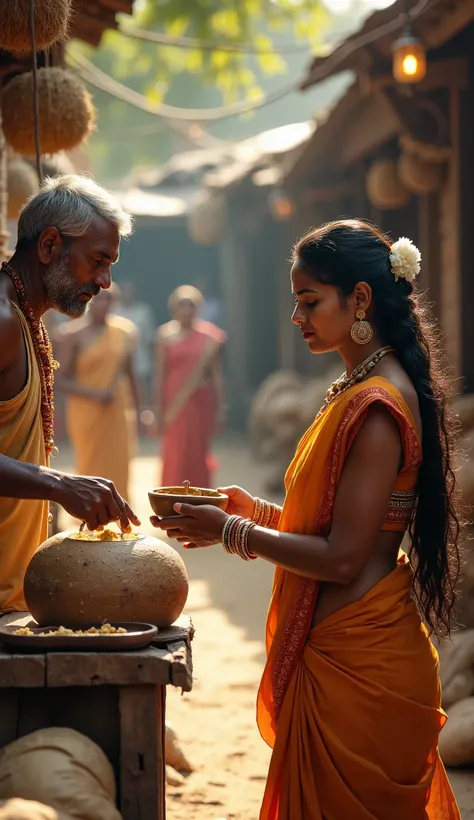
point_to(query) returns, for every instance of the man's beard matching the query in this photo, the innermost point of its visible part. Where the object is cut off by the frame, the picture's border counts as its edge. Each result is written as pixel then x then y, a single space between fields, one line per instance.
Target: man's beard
pixel 62 291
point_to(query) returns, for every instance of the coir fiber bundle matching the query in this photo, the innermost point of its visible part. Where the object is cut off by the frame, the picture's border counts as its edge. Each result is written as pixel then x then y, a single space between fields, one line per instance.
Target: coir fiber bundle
pixel 22 183
pixel 51 24
pixel 66 113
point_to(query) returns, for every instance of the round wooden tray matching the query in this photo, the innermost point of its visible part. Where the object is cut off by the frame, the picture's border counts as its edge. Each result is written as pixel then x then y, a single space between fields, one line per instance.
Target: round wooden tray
pixel 138 636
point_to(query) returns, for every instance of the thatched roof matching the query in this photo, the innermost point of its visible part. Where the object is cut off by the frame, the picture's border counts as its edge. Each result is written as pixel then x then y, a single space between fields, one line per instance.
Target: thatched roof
pixel 438 22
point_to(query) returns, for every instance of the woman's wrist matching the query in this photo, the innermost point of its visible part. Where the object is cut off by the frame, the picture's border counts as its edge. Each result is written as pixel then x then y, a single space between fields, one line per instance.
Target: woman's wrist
pixel 235 535
pixel 265 514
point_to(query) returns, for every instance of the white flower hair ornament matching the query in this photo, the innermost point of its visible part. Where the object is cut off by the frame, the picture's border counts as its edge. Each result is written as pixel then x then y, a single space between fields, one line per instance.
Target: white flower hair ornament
pixel 405 259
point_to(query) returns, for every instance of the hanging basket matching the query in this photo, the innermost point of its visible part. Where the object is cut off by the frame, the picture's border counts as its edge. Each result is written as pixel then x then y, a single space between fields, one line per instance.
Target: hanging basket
pixel 419 175
pixel 384 188
pixel 66 113
pixel 207 221
pixel 22 183
pixel 51 24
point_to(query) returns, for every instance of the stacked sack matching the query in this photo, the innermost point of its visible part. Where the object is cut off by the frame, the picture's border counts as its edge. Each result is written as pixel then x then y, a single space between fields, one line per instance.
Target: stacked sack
pixel 62 769
pixel 456 743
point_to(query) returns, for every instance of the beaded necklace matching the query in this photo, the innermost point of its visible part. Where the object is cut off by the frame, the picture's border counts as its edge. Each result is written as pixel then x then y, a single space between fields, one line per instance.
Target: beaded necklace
pixel 44 355
pixel 344 382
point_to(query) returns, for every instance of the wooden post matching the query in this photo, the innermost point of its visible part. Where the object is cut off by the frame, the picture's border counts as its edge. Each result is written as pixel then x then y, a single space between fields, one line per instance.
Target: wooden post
pixel 142 761
pixel 450 228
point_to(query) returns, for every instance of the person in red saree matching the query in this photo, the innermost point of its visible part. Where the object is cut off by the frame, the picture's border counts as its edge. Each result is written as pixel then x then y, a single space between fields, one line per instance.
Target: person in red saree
pixel 350 697
pixel 189 387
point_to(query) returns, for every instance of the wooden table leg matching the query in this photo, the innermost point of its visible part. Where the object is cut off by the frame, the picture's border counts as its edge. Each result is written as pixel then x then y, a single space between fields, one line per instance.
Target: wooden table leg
pixel 142 752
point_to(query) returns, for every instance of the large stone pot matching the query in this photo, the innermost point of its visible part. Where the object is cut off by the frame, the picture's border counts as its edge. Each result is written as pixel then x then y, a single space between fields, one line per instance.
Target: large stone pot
pixel 73 583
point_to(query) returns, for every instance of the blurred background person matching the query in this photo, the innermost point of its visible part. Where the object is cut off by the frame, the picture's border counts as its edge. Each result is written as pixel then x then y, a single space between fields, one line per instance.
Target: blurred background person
pixel 189 389
pixel 102 393
pixel 141 314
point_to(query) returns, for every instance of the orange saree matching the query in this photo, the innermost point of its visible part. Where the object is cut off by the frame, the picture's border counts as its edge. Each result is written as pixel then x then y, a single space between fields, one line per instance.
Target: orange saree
pixel 350 707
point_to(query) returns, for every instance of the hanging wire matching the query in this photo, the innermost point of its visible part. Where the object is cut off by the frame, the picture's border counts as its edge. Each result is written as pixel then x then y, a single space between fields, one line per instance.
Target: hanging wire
pixel 39 164
pixel 93 75
pixel 203 45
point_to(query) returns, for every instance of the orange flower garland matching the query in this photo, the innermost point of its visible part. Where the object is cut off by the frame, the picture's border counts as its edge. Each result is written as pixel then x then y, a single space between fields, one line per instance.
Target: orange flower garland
pixel 44 354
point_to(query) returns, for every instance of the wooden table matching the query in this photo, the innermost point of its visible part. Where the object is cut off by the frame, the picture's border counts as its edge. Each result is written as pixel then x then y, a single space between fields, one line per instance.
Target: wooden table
pixel 115 698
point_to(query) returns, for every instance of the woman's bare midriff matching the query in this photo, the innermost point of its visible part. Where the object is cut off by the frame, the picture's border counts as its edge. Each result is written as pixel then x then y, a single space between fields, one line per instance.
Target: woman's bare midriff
pixel 332 597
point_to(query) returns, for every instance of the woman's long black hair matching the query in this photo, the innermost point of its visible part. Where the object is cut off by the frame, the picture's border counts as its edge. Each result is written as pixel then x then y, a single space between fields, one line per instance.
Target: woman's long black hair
pixel 346 252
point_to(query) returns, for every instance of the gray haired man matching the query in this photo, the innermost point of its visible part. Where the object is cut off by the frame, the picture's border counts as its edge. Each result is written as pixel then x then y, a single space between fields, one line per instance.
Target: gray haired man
pixel 68 238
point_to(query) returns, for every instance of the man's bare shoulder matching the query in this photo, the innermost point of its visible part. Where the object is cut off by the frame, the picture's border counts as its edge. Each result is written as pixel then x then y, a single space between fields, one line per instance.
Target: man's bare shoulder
pixel 11 335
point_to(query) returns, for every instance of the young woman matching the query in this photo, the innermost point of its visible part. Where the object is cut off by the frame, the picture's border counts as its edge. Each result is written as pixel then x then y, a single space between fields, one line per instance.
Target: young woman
pixel 189 389
pixel 350 695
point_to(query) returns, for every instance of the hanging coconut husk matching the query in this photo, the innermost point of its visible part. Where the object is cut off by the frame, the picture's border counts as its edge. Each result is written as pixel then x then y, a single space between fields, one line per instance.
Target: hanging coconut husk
pixel 66 113
pixel 418 175
pixel 208 219
pixel 22 182
pixel 384 187
pixel 51 24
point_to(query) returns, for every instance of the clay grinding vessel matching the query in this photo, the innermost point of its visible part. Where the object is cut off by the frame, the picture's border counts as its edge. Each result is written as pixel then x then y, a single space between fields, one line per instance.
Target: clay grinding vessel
pixel 73 582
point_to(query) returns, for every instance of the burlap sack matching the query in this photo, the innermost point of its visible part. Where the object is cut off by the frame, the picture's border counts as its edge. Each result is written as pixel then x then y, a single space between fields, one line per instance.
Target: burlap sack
pixel 64 770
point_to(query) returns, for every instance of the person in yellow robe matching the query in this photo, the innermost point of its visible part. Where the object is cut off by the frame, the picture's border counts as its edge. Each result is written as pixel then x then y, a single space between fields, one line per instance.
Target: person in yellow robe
pixel 350 698
pixel 97 375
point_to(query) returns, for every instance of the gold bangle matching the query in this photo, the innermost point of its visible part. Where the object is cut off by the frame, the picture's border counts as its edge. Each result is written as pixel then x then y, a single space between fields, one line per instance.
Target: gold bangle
pixel 266 514
pixel 235 537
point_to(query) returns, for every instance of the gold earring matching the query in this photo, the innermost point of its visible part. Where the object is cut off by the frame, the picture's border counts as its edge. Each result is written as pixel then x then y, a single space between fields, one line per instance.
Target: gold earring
pixel 361 330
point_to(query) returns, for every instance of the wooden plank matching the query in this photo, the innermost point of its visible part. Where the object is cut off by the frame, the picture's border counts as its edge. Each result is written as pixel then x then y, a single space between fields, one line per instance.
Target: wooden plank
pixel 439 74
pixel 124 6
pixel 24 671
pixel 142 765
pixel 449 25
pixel 9 705
pixel 450 230
pixel 181 630
pixel 373 123
pixel 181 668
pixel 147 666
pixel 328 193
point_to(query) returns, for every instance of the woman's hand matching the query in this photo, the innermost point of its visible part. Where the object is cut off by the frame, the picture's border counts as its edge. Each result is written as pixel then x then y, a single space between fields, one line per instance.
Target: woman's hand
pixel 240 501
pixel 194 526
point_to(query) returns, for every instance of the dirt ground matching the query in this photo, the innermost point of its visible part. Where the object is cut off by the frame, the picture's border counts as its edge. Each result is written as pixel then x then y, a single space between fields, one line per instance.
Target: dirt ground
pixel 216 721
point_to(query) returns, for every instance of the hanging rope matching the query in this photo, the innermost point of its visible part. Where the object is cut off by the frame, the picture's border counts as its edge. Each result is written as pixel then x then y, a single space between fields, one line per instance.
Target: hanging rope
pixel 39 165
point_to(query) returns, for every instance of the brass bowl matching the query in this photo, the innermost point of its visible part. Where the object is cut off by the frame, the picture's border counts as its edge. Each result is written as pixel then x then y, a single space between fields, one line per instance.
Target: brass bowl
pixel 162 499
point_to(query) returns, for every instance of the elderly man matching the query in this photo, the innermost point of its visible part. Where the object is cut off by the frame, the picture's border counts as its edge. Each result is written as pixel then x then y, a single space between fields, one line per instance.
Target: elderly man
pixel 68 238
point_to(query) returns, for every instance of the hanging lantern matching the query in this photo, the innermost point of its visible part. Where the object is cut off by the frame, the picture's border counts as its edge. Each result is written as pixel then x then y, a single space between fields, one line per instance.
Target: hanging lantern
pixel 66 113
pixel 409 59
pixel 51 24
